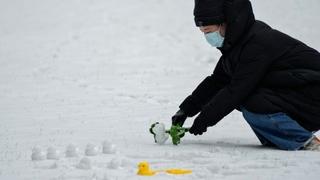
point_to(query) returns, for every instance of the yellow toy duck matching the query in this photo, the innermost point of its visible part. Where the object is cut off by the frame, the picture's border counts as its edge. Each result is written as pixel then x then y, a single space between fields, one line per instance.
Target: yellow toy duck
pixel 144 170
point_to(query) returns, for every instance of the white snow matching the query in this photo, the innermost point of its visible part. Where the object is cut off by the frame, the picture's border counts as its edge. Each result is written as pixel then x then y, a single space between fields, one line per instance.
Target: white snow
pixel 79 72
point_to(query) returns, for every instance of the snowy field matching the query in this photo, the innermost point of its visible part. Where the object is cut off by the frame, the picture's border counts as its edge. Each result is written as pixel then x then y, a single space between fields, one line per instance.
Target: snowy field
pixel 87 71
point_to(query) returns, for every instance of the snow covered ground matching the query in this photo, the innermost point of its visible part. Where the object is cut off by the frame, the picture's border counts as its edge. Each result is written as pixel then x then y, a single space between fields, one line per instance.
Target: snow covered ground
pixel 85 71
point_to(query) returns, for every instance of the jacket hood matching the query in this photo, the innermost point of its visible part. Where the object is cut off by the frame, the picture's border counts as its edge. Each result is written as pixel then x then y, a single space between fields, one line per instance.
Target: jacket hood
pixel 239 19
pixel 208 12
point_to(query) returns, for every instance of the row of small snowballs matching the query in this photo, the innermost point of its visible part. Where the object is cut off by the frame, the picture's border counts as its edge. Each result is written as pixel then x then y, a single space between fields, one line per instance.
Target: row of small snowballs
pixel 72 151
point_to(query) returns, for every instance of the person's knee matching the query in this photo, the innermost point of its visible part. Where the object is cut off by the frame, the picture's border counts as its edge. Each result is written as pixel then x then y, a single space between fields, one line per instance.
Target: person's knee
pixel 248 116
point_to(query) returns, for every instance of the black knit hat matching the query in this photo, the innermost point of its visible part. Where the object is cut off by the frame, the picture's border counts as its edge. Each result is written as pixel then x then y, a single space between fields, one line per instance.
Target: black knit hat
pixel 208 12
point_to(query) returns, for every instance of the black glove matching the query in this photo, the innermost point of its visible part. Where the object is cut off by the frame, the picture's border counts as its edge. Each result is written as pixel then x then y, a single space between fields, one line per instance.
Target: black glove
pixel 199 125
pixel 179 118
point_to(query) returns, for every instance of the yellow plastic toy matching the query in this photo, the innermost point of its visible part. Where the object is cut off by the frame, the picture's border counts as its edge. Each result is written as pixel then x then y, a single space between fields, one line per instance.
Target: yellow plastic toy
pixel 144 170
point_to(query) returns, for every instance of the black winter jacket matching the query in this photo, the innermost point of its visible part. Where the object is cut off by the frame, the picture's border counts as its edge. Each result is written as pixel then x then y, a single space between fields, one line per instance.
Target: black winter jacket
pixel 261 69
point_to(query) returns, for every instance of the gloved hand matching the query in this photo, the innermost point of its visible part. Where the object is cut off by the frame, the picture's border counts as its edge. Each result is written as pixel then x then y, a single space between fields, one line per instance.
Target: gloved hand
pixel 199 126
pixel 179 118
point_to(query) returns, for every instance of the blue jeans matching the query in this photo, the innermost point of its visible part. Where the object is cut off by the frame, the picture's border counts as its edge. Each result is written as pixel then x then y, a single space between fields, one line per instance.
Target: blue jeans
pixel 277 130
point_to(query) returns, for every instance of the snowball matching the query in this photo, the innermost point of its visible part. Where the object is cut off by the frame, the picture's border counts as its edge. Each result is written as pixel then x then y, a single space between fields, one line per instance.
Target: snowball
pixel 108 148
pixel 37 154
pixel 115 163
pixel 72 151
pixel 91 150
pixel 53 153
pixel 160 133
pixel 84 163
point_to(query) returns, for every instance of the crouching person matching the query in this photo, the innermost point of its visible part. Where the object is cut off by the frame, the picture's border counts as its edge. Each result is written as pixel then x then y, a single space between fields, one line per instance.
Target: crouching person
pixel 272 78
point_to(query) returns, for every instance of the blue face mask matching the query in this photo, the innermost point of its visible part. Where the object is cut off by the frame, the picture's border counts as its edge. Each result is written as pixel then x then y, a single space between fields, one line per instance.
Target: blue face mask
pixel 214 39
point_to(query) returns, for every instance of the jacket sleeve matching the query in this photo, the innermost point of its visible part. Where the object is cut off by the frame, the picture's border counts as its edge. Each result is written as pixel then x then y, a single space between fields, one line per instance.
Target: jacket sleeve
pixel 249 72
pixel 208 88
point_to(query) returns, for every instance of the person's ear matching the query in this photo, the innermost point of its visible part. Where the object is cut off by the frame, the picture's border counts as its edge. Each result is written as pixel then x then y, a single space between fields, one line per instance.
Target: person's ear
pixel 222 30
